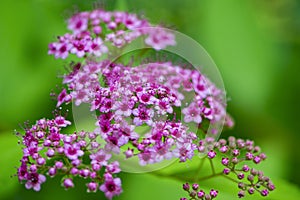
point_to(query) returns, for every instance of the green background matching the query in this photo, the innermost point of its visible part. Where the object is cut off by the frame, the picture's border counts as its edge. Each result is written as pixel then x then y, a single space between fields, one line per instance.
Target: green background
pixel 255 44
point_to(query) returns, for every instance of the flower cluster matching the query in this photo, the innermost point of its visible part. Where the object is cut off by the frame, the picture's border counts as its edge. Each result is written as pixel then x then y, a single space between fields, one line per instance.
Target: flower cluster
pixel 152 111
pixel 149 96
pixel 197 193
pixel 92 32
pixel 49 151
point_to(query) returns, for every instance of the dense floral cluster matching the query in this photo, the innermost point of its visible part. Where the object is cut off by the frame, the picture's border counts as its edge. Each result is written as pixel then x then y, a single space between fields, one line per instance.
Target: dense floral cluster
pixel 92 32
pixel 147 96
pixel 152 111
pixel 196 193
pixel 47 150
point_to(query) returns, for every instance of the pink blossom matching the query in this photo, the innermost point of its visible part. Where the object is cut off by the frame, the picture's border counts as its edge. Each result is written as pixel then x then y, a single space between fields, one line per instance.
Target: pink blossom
pixel 142 115
pixel 111 187
pixel 101 157
pixel 78 23
pixel 192 113
pixel 73 151
pixel 61 122
pixel 160 39
pixel 34 181
pixel 68 183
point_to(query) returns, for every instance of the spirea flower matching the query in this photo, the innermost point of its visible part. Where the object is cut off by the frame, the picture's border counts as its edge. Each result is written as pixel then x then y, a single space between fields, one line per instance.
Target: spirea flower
pixel 92 32
pixel 65 155
pixel 174 105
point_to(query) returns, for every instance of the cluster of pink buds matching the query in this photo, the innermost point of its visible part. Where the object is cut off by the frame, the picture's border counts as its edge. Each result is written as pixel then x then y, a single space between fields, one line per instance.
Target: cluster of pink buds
pixel 196 193
pixel 236 156
pixel 151 111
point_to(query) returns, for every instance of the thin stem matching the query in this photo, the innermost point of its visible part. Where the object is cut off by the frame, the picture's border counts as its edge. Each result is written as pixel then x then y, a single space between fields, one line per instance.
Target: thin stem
pixel 212 166
pixel 210 176
pixel 229 178
pixel 199 169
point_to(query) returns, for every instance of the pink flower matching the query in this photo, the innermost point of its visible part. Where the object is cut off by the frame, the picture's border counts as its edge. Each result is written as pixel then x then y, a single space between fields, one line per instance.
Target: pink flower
pixel 142 115
pixel 80 47
pixel 101 157
pixel 113 168
pixel 68 183
pixel 146 98
pixel 73 151
pixel 61 122
pixel 63 97
pixel 34 181
pixel 192 113
pixel 78 23
pixel 92 187
pixel 160 39
pixel 97 47
pixel 111 187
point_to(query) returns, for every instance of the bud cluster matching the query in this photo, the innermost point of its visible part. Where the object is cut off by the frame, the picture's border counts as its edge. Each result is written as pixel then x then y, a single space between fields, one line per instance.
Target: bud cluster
pixel 237 155
pixel 196 193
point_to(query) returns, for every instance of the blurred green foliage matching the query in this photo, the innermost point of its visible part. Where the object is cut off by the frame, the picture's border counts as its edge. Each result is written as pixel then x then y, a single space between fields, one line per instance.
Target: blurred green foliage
pixel 255 44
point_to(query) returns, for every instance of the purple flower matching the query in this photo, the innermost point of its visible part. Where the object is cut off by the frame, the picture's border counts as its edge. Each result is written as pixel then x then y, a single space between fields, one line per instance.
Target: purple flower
pixel 61 122
pixel 113 168
pixel 200 194
pixel 111 186
pixel 192 113
pixel 34 181
pixel 68 183
pixel 97 47
pixel 92 187
pixel 211 154
pixel 264 192
pixel 186 186
pixel 225 161
pixel 159 39
pixel 142 115
pixel 101 157
pixel 256 159
pixel 78 23
pixel 241 194
pixel 63 97
pixel 73 151
pixel 213 193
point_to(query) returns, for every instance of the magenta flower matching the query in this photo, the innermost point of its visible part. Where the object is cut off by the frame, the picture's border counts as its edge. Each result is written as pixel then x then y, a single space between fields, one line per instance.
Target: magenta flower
pixel 150 111
pixel 61 122
pixel 142 115
pixel 73 151
pixel 192 113
pixel 68 183
pixel 34 181
pixel 111 187
pixel 160 39
pixel 100 158
pixel 78 23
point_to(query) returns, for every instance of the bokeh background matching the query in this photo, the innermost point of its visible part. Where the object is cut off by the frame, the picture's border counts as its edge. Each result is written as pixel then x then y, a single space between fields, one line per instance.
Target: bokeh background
pixel 255 44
